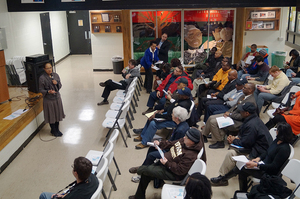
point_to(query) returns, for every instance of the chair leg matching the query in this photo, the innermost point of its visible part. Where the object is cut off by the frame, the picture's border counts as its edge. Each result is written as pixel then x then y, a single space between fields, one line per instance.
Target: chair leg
pixel 136 94
pixel 111 180
pixel 103 194
pixel 135 101
pixel 267 107
pixel 123 137
pixel 107 136
pixel 117 165
pixel 129 121
pixel 133 107
pixel 138 90
pixel 127 131
pixel 131 114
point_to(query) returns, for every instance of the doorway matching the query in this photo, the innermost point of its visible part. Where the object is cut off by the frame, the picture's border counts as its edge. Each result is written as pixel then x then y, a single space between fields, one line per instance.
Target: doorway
pixel 46 34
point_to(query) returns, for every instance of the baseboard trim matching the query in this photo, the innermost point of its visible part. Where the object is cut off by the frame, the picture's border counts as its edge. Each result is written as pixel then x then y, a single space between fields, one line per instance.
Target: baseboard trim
pixel 101 70
pixel 57 62
pixel 18 151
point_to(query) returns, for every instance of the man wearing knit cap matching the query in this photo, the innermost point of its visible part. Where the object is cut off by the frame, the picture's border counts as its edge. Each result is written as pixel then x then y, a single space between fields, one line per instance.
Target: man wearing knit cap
pixel 176 163
pixel 264 54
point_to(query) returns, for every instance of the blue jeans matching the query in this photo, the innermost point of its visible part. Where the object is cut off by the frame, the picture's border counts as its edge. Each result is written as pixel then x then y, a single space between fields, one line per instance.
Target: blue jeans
pixel 152 99
pixel 151 127
pixel 289 72
pixel 46 195
pixel 296 79
pixel 262 97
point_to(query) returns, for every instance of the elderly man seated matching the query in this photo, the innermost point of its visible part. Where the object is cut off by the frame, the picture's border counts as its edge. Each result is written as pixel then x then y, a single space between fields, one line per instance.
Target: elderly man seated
pixel 169 84
pixel 176 163
pixel 163 118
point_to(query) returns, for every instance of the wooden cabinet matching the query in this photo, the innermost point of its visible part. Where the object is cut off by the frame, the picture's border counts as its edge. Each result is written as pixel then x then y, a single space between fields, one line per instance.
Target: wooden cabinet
pixel 262 19
pixel 106 21
pixel 4 95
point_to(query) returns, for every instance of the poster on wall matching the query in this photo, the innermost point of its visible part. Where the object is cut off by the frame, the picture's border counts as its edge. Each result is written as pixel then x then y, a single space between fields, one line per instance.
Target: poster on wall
pixel 32 1
pixel 72 0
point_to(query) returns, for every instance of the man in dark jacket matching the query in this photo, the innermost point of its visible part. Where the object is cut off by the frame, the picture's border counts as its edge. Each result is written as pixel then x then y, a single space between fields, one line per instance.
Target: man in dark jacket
pixel 253 137
pixel 163 118
pixel 175 164
pixel 128 74
pixel 163 46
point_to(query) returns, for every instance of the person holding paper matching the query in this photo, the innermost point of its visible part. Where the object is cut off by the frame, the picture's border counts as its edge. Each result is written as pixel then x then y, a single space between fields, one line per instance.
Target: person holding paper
pixel 269 92
pixel 253 137
pixel 212 124
pixel 128 74
pixel 49 86
pixel 175 164
pixel 271 161
pixel 163 118
pixel 169 84
pixel 262 71
pixel 148 60
pixel 252 52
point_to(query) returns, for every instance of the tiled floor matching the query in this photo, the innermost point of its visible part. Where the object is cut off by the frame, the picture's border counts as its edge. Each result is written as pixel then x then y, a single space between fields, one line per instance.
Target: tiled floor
pixel 46 166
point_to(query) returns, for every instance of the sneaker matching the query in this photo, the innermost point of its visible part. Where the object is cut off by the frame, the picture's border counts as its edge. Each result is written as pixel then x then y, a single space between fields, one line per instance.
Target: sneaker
pixel 102 84
pixel 136 179
pixel 137 131
pixel 137 139
pixel 141 146
pixel 102 103
pixel 133 170
pixel 217 145
pixel 149 110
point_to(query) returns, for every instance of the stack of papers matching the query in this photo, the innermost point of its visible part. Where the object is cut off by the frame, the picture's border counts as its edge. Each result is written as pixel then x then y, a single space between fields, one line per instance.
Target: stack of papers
pixel 157 147
pixel 241 161
pixel 224 122
pixel 148 115
pixel 15 114
pixel 209 97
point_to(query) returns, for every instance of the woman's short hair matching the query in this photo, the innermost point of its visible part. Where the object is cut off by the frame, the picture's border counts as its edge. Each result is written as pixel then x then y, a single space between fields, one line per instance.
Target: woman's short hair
pixel 132 62
pixel 166 67
pixel 152 42
pixel 181 113
pixel 274 69
pixel 198 186
pixel 284 132
pixel 83 167
pixel 175 62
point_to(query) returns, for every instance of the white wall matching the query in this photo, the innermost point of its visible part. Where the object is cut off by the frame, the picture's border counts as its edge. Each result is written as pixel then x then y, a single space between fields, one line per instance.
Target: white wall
pixel 269 38
pixel 104 47
pixel 24 34
pixel 59 32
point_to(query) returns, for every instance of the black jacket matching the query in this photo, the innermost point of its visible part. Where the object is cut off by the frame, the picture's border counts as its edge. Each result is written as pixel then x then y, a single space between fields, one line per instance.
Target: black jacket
pixel 163 51
pixel 214 66
pixel 296 64
pixel 227 88
pixel 167 114
pixel 254 136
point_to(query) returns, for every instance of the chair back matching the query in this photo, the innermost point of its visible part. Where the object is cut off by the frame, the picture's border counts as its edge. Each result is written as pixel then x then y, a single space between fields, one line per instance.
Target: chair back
pixel 191 108
pixel 290 171
pixel 200 153
pixel 124 109
pixel 273 133
pixel 292 152
pixel 198 166
pixel 108 149
pixel 102 169
pixel 114 136
pixel 97 193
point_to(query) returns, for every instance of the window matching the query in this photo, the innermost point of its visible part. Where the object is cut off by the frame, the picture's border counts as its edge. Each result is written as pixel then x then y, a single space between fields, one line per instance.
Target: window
pixel 293 29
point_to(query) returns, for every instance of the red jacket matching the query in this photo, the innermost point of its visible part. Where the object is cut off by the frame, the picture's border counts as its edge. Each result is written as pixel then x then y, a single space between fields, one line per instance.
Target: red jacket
pixel 173 86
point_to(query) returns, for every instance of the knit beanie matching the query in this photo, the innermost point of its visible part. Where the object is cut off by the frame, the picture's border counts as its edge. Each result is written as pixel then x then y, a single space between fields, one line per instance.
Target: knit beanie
pixel 263 51
pixel 193 134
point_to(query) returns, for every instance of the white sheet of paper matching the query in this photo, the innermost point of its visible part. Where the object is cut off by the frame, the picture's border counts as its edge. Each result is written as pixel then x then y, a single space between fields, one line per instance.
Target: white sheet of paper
pixel 155 68
pixel 176 193
pixel 117 82
pixel 249 59
pixel 224 122
pixel 15 114
pixel 241 160
pixel 209 97
pixel 159 62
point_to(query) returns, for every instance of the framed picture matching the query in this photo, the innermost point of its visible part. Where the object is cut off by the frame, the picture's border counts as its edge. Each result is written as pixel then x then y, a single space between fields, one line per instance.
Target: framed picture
pixel 105 17
pixel 97 29
pixel 271 14
pixel 107 29
pixel 117 18
pixel 118 29
pixel 269 25
pixel 263 15
pixel 254 15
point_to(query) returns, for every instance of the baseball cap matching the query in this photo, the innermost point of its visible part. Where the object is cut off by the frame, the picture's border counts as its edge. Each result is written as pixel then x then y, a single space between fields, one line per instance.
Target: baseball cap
pixel 185 91
pixel 248 107
pixel 182 80
pixel 263 51
pixel 241 81
pixel 193 134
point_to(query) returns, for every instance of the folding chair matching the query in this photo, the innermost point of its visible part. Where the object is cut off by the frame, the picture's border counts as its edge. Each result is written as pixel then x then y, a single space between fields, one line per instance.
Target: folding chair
pixel 97 194
pixel 101 173
pixel 290 171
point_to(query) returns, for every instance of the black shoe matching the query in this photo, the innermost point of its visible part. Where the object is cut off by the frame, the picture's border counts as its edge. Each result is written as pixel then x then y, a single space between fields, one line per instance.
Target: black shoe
pixel 102 84
pixel 217 145
pixel 137 131
pixel 131 197
pixel 205 139
pixel 149 110
pixel 219 181
pixel 102 103
pixel 148 91
pixel 57 134
pixel 209 136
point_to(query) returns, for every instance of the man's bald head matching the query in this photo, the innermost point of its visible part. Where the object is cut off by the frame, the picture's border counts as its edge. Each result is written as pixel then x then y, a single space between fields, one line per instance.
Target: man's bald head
pixel 232 75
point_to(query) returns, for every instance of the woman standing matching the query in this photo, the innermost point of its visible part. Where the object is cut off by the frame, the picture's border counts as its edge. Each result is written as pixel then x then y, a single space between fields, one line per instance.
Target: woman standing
pixel 49 86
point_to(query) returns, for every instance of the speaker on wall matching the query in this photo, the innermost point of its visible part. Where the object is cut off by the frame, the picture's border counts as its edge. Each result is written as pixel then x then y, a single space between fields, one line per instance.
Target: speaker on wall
pixel 33 73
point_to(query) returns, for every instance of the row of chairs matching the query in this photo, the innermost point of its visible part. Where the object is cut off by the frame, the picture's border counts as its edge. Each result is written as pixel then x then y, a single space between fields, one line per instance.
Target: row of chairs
pixel 121 110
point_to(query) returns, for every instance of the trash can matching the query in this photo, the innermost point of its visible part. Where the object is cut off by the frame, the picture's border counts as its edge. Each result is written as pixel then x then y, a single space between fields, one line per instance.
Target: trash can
pixel 278 58
pixel 117 64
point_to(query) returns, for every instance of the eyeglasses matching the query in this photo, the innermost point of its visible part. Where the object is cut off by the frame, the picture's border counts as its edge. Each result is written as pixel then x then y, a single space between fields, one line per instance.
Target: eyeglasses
pixel 48 68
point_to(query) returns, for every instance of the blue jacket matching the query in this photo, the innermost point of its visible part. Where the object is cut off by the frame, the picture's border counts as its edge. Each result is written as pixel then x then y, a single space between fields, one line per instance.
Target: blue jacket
pixel 146 61
pixel 180 131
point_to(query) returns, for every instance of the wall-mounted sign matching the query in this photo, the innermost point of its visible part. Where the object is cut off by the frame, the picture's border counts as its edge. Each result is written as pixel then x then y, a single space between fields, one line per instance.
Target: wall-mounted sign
pixel 32 1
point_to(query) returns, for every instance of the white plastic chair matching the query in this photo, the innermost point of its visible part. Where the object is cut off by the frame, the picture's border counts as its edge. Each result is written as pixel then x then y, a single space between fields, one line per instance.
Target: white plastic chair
pixel 101 173
pixel 198 166
pixel 273 133
pixel 95 156
pixel 97 194
pixel 117 123
pixel 290 171
pixel 200 153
